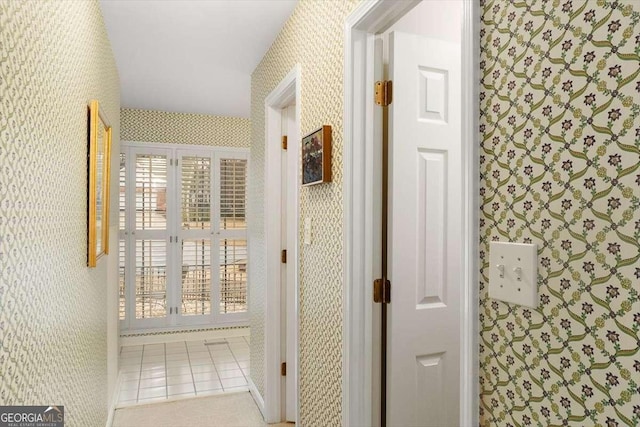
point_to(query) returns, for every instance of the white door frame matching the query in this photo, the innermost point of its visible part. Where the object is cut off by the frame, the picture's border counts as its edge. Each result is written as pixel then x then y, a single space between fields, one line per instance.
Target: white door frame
pixel 287 91
pixel 362 243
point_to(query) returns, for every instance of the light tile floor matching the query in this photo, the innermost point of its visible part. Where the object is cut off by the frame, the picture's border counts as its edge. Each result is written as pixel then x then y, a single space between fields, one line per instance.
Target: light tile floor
pixel 156 372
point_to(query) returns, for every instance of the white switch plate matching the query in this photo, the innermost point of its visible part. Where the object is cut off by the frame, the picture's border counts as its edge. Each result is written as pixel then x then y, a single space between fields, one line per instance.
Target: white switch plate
pixel 513 273
pixel 307 231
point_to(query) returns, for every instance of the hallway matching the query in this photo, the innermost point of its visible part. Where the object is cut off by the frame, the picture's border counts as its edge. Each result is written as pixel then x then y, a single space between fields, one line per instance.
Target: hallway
pixel 153 215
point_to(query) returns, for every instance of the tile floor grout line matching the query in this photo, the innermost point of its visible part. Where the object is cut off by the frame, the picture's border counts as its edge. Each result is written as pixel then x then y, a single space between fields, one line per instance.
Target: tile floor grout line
pixel 215 368
pixel 238 363
pixel 193 380
pixel 166 374
pixel 140 375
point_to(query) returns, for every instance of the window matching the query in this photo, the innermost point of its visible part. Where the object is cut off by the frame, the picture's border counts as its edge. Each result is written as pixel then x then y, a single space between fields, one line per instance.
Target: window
pixel 183 238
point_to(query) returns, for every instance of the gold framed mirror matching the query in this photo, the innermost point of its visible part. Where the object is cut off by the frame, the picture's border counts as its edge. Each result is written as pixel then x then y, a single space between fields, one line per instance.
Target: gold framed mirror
pixel 99 168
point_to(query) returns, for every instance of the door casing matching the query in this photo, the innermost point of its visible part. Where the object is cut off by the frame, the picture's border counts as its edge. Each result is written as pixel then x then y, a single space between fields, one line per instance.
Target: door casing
pixel 362 239
pixel 286 93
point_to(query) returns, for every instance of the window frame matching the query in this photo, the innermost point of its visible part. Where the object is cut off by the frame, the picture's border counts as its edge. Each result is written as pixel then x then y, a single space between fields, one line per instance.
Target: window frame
pixel 174 254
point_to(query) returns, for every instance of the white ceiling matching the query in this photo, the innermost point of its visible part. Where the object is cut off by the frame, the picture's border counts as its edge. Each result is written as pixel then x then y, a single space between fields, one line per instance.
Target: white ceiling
pixel 191 56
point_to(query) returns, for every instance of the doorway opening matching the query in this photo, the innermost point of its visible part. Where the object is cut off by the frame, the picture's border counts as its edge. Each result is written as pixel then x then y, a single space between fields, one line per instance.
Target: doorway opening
pixel 434 170
pixel 282 166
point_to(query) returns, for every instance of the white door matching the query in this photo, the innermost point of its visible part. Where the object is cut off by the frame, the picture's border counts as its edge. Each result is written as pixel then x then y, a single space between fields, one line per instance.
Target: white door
pixel 289 183
pixel 193 303
pixel 230 238
pixel 149 234
pixel 425 240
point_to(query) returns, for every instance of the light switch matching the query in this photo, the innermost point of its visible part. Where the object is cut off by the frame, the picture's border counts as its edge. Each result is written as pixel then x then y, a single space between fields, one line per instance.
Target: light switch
pixel 513 273
pixel 307 231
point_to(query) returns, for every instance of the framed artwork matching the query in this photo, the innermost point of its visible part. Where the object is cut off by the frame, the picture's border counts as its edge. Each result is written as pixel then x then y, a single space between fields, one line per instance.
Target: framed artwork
pixel 99 169
pixel 316 156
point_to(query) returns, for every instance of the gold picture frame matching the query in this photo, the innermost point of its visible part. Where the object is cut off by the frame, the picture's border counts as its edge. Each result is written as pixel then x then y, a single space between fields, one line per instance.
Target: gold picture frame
pixel 99 168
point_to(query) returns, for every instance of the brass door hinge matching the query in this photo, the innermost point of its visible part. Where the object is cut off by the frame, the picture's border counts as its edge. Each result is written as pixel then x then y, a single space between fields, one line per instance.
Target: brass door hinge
pixel 382 291
pixel 283 256
pixel 284 142
pixel 283 369
pixel 383 91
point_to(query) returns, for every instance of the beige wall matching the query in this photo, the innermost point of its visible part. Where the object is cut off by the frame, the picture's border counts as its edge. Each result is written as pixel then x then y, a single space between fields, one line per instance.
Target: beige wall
pixel 312 37
pixel 184 128
pixel 560 167
pixel 55 57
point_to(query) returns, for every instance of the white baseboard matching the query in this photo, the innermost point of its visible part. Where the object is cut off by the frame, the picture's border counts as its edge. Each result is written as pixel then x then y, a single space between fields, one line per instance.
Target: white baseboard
pixel 183 336
pixel 114 402
pixel 256 396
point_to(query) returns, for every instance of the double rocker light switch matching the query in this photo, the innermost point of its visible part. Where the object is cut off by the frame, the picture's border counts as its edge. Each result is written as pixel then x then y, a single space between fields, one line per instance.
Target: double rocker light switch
pixel 513 273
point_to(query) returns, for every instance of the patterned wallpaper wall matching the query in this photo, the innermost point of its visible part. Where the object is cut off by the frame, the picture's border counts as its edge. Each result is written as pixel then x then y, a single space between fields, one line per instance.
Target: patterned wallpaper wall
pixel 312 37
pixel 560 165
pixel 184 128
pixel 54 58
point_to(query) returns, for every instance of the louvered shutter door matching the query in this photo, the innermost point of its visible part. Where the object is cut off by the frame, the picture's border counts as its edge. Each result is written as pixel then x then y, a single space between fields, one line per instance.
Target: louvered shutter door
pixel 195 234
pixel 232 248
pixel 151 235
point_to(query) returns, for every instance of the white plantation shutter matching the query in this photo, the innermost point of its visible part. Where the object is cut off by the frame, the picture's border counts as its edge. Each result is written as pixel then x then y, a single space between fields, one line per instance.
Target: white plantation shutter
pixel 233 276
pixel 196 277
pixel 233 193
pixel 233 235
pixel 196 192
pixel 121 279
pixel 183 239
pixel 151 192
pixel 122 225
pixel 122 192
pixel 151 278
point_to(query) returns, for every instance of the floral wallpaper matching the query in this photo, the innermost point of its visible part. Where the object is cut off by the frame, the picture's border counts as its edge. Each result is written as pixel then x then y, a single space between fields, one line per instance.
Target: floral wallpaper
pixel 560 167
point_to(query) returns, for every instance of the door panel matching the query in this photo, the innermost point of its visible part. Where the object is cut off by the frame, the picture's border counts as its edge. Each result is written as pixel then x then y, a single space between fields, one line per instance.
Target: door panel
pixel 430 372
pixel 150 279
pixel 291 178
pixel 230 245
pixel 233 276
pixel 149 219
pixel 288 315
pixel 431 225
pixel 424 226
pixel 151 182
pixel 195 297
pixel 123 235
pixel 195 237
pixel 195 192
pixel 233 181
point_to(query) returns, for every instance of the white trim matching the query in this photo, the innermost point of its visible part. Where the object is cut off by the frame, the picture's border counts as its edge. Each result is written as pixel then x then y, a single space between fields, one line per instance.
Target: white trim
pixel 111 411
pixel 184 329
pixel 360 179
pixel 183 336
pixel 469 358
pixel 113 325
pixel 287 91
pixel 256 396
pixel 358 394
